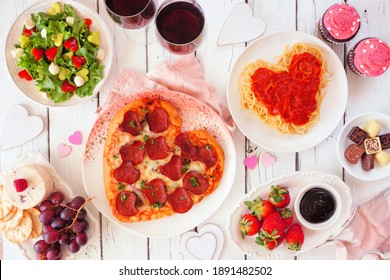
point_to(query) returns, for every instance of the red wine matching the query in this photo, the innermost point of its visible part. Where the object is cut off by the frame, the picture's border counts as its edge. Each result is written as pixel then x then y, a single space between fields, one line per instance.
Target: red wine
pixel 132 14
pixel 180 23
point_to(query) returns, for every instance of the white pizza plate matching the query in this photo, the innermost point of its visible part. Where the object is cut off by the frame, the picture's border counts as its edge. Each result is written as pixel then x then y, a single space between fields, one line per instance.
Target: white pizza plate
pixel 294 182
pixel 27 248
pixel 28 88
pixel 332 109
pixel 360 120
pixel 195 115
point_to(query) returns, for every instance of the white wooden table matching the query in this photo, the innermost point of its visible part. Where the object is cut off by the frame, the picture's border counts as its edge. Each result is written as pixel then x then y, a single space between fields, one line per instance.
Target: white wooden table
pixel 365 94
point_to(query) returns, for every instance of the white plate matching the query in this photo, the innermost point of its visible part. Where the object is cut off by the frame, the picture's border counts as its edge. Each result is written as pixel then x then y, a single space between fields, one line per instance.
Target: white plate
pixel 27 247
pixel 313 238
pixel 332 108
pixel 379 172
pixel 195 114
pixel 28 88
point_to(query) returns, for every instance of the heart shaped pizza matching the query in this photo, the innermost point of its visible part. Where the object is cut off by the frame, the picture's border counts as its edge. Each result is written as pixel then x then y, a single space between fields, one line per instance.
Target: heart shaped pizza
pixel 287 95
pixel 153 168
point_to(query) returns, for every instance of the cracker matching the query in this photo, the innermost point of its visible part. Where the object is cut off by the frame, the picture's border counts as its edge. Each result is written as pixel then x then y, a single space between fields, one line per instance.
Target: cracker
pixel 14 221
pixel 36 224
pixel 22 232
pixel 5 204
pixel 10 215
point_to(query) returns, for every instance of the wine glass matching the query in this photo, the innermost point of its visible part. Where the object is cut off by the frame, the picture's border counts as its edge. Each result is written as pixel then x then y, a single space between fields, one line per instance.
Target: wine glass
pixel 181 26
pixel 132 14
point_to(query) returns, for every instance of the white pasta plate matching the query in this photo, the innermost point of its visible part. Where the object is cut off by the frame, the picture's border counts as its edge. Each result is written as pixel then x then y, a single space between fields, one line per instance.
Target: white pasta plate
pixel 195 115
pixel 294 182
pixel 332 108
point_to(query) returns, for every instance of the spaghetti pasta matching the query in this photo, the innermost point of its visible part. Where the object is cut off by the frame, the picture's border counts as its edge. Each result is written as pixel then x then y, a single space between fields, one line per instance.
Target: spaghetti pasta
pixel 287 95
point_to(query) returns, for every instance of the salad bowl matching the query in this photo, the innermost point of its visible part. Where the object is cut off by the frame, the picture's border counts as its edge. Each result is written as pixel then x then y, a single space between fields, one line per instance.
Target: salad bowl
pixel 33 75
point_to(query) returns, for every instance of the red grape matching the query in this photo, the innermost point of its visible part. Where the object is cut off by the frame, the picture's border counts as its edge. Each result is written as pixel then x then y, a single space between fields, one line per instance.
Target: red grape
pixel 46 216
pixel 56 197
pixel 77 202
pixel 73 246
pixel 41 246
pixel 51 236
pixel 53 253
pixel 81 238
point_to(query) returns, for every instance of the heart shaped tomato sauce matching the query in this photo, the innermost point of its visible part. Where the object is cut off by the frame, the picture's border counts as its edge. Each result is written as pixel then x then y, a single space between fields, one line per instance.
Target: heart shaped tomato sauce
pixel 292 93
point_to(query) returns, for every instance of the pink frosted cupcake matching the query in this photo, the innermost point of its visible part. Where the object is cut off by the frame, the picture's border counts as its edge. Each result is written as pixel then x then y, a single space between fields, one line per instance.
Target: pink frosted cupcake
pixel 370 57
pixel 339 24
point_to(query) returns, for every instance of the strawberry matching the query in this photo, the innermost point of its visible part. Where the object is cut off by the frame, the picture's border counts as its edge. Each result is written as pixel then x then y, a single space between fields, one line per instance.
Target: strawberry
pixel 272 231
pixel 37 53
pixel 295 237
pixel 279 196
pixel 260 207
pixel 29 32
pixel 249 225
pixel 66 86
pixel 51 53
pixel 287 216
pixel 88 23
pixel 71 44
pixel 78 61
pixel 25 75
pixel 20 184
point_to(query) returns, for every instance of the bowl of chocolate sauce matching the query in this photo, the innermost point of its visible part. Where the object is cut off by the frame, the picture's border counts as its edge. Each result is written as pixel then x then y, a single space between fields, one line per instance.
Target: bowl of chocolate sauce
pixel 318 206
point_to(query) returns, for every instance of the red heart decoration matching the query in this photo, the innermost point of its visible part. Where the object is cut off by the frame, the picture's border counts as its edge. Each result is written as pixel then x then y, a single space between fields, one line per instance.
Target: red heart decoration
pixel 290 94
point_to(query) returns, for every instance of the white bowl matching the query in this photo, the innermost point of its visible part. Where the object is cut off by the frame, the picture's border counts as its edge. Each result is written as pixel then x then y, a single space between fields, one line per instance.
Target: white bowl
pixel 28 88
pixel 337 205
pixel 356 170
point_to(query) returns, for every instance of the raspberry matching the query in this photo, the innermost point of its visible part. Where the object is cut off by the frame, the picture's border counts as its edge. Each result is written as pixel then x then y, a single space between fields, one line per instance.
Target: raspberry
pixel 20 185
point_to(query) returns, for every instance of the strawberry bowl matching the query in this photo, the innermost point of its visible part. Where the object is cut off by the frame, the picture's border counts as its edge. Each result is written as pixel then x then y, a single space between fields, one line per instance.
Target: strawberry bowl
pixel 313 238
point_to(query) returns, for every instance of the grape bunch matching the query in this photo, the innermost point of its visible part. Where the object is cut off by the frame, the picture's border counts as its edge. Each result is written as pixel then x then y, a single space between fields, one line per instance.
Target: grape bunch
pixel 62 225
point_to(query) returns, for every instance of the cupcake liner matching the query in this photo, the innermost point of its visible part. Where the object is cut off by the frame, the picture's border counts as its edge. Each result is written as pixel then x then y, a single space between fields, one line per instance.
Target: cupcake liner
pixel 350 60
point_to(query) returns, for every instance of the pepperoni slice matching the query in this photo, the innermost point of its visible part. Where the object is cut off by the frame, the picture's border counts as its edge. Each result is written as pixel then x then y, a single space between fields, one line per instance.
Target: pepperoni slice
pixel 134 152
pixel 187 149
pixel 126 203
pixel 172 169
pixel 205 154
pixel 131 123
pixel 195 183
pixel 126 173
pixel 180 201
pixel 157 148
pixel 157 120
pixel 156 193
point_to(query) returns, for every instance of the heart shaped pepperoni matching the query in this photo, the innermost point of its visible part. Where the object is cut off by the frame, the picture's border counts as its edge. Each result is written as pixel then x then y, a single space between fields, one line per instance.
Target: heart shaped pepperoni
pixel 131 124
pixel 155 192
pixel 127 203
pixel 157 148
pixel 180 201
pixel 187 149
pixel 126 173
pixel 195 183
pixel 172 169
pixel 157 120
pixel 134 152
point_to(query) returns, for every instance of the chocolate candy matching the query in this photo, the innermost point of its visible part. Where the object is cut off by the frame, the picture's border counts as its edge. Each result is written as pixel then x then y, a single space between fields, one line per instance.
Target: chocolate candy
pixel 367 162
pixel 382 158
pixel 372 128
pixel 357 135
pixel 372 145
pixel 353 153
pixel 385 141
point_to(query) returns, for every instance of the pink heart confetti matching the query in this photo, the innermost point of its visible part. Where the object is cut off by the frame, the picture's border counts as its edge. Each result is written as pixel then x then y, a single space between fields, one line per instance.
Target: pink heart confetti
pixel 63 150
pixel 251 162
pixel 267 160
pixel 76 138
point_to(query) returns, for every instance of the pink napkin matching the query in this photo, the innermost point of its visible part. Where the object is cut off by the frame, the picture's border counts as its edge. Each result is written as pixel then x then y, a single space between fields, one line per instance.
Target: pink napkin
pixel 185 76
pixel 367 234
